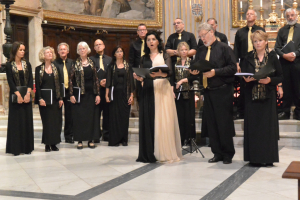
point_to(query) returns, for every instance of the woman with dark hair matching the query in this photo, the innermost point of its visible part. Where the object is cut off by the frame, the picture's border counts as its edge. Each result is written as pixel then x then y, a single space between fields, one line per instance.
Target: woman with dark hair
pixel 119 94
pixel 47 78
pixel 261 129
pixel 83 75
pixel 159 136
pixel 20 120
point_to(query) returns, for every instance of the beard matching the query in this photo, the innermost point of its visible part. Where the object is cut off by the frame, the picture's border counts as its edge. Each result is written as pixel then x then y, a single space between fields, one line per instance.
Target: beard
pixel 293 22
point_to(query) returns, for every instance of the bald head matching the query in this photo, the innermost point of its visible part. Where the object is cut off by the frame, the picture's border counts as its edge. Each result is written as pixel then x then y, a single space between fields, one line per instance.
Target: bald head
pixel 99 46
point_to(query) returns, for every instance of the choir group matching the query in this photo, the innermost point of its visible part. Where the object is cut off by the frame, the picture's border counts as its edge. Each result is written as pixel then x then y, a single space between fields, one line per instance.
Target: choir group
pixel 102 85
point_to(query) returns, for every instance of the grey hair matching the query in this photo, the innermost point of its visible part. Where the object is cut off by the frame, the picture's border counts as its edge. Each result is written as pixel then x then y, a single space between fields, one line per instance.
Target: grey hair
pixel 63 43
pixel 255 13
pixel 85 45
pixel 180 20
pixel 290 10
pixel 205 26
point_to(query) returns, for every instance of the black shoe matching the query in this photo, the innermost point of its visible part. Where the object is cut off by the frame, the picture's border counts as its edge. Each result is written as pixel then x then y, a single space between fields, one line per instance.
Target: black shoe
pixel 215 159
pixel 79 146
pixel 47 148
pixel 97 141
pixel 71 141
pixel 227 160
pixel 283 115
pixel 105 138
pixel 54 148
pixel 16 154
pixel 124 144
pixel 91 145
pixel 269 165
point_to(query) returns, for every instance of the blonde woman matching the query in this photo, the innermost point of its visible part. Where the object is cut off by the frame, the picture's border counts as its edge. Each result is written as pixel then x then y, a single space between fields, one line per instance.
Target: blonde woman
pixel 185 102
pixel 47 77
pixel 261 129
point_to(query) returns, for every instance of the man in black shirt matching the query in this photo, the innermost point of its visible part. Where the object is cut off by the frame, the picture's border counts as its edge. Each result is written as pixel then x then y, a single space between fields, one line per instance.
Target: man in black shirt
pixel 102 62
pixel 242 45
pixel 64 64
pixel 135 52
pixel 219 36
pixel 180 36
pixel 217 119
pixel 290 62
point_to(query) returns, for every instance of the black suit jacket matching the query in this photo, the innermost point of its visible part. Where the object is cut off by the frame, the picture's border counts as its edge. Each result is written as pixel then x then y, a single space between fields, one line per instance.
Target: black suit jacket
pixel 135 53
pixel 106 61
pixel 221 36
pixel 60 67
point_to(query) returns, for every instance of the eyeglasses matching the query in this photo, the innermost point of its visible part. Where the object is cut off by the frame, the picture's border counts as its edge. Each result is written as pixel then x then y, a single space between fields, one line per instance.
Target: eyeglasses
pixel 142 30
pixel 176 23
pixel 203 36
pixel 291 15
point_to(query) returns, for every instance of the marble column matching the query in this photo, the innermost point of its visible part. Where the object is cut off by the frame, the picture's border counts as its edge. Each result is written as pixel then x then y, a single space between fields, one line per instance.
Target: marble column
pixel 35 40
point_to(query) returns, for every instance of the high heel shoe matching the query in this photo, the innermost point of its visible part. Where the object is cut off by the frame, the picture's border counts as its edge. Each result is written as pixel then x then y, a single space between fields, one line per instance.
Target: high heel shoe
pixel 54 148
pixel 47 148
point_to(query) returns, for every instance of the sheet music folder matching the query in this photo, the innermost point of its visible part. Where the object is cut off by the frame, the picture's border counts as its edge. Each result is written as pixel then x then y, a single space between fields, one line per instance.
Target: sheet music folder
pixel 264 72
pixel 202 66
pixel 76 93
pixel 23 92
pixel 289 47
pixel 46 95
pixel 143 72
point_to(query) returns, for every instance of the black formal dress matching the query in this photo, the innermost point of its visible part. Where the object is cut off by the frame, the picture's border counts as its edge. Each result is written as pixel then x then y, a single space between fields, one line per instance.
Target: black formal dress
pixel 134 62
pixel 51 115
pixel 65 93
pixel 261 129
pixel 86 123
pixel 220 37
pixel 121 80
pixel 291 71
pixel 159 135
pixel 240 51
pixel 103 106
pixel 185 104
pixel 20 137
pixel 217 120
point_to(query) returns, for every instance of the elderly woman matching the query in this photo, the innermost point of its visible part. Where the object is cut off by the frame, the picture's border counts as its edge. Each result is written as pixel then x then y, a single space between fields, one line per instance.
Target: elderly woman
pixel 20 121
pixel 159 136
pixel 83 75
pixel 185 102
pixel 47 77
pixel 261 129
pixel 119 77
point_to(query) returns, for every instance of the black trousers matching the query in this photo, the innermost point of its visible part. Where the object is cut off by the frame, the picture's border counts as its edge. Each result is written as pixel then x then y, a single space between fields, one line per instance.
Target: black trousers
pixel 104 110
pixel 217 121
pixel 291 87
pixel 68 131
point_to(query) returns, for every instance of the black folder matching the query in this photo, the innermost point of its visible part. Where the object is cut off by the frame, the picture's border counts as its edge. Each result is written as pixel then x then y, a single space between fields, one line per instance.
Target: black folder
pixel 289 47
pixel 23 92
pixel 46 95
pixel 202 66
pixel 163 68
pixel 143 72
pixel 63 90
pixel 76 93
pixel 264 72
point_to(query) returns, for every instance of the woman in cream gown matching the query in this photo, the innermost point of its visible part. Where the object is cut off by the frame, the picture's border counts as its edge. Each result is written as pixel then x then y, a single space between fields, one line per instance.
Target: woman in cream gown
pixel 159 136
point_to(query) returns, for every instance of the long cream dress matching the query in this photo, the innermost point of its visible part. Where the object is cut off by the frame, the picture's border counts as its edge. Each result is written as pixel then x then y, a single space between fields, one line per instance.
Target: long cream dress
pixel 167 142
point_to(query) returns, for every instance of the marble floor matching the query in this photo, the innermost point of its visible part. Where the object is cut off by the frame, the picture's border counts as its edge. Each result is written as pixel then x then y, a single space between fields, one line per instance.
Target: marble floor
pixel 111 173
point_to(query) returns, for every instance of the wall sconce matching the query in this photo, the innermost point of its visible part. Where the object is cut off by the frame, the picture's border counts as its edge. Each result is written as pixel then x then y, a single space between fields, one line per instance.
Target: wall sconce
pixel 100 32
pixel 197 12
pixel 68 29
